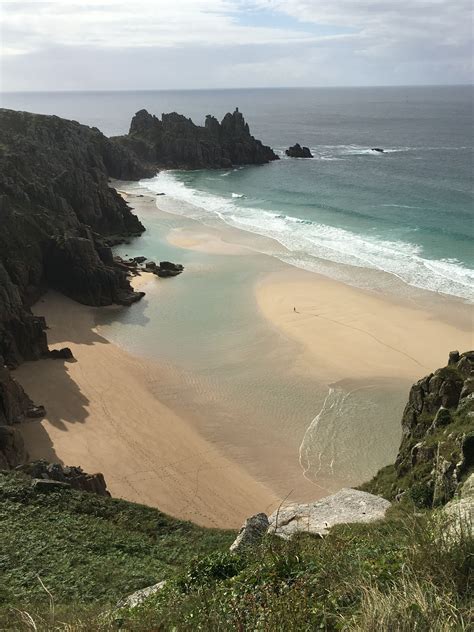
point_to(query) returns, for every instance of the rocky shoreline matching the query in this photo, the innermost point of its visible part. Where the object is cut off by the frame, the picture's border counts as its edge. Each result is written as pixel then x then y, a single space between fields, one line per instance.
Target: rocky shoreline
pixel 60 220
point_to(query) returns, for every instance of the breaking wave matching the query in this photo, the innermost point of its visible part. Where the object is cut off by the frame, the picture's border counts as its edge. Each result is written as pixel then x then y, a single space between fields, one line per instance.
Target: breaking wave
pixel 310 245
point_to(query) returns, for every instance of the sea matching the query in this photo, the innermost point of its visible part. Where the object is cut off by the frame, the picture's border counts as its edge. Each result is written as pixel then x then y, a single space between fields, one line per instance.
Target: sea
pixel 398 222
pixel 407 211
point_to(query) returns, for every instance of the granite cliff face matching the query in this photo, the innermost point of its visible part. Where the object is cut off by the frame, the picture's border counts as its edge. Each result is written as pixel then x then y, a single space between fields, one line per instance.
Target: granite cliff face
pixel 437 449
pixel 176 142
pixel 56 213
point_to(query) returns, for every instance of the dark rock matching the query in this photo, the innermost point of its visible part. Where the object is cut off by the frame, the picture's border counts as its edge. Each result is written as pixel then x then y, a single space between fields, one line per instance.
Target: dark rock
pixel 468 451
pixel 167 265
pixel 150 265
pixel 61 354
pixel 139 259
pixel 442 418
pixel 379 149
pixel 128 298
pixel 36 412
pixel 435 403
pixel 298 152
pixel 453 357
pixel 12 448
pixel 175 141
pixel 168 269
pixel 69 476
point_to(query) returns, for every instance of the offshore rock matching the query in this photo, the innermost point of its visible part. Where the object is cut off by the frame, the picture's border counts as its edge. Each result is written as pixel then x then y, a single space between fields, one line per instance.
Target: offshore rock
pixel 298 152
pixel 176 142
pixel 346 506
pixel 251 533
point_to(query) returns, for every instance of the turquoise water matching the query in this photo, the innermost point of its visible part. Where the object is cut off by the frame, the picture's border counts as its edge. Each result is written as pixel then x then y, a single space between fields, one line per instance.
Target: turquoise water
pixel 408 212
pixel 240 381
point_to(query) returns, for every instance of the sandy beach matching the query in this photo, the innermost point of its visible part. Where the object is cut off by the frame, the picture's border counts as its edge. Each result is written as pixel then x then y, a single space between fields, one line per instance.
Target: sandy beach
pixel 106 412
pixel 103 416
pixel 351 333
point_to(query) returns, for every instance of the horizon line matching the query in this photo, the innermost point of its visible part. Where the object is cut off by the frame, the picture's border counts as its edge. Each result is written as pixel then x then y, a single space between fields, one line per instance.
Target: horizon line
pixel 233 89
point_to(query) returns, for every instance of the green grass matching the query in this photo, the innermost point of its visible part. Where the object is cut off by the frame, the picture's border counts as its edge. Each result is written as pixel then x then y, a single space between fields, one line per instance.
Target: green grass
pixel 397 575
pixel 87 548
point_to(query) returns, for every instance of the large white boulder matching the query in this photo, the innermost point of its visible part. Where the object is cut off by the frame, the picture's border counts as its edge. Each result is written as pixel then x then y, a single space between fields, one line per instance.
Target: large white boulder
pixel 346 506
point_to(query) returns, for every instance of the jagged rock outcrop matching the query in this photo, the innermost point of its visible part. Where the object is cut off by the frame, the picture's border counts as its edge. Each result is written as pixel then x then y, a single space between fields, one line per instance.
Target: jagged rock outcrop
pixel 251 533
pixel 176 142
pixel 70 476
pixel 344 507
pixel 15 407
pixel 298 152
pixel 56 213
pixel 437 448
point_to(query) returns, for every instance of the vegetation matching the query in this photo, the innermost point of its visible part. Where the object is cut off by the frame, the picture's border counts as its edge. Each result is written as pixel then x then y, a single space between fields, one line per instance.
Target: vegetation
pixel 68 557
pixel 88 548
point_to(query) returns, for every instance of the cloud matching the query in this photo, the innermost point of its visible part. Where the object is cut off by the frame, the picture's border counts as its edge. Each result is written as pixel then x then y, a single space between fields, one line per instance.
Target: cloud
pixel 225 43
pixel 113 24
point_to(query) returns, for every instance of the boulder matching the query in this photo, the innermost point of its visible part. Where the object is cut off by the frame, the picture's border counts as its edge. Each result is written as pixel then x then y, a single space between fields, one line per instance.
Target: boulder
pixel 46 485
pixel 139 596
pixel 61 354
pixel 378 149
pixel 251 533
pixel 460 512
pixel 298 152
pixel 346 506
pixel 36 412
pixel 71 476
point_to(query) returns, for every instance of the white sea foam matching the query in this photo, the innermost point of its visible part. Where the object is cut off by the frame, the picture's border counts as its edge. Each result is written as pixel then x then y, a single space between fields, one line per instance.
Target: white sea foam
pixel 238 195
pixel 311 245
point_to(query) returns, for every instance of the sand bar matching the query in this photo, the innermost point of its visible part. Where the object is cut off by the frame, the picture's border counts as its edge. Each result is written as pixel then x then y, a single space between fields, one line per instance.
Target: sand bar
pixel 346 332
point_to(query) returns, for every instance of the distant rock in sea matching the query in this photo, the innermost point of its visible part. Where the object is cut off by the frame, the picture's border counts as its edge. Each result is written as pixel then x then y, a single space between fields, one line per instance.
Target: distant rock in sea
pixel 176 142
pixel 298 152
pixel 378 149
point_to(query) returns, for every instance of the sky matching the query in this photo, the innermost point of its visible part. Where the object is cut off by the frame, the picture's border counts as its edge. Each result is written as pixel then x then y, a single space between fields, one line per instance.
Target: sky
pixel 206 44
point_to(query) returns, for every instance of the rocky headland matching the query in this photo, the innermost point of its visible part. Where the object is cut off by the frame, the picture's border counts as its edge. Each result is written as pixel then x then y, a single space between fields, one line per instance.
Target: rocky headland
pixel 176 142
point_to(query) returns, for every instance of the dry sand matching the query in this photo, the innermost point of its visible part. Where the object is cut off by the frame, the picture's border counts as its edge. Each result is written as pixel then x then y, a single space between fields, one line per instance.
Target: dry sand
pixel 103 416
pixel 207 242
pixel 350 333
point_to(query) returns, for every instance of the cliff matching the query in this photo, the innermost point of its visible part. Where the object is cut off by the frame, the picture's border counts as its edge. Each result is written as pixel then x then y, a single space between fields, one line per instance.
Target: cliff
pixel 437 449
pixel 176 142
pixel 56 212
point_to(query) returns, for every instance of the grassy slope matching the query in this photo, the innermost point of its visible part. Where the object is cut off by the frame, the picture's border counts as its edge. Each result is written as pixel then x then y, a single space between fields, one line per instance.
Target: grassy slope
pixel 86 547
pixel 398 574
